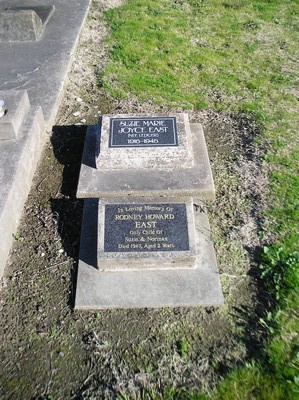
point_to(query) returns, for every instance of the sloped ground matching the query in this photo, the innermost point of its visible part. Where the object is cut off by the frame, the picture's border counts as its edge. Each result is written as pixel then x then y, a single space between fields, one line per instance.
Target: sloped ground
pixel 51 351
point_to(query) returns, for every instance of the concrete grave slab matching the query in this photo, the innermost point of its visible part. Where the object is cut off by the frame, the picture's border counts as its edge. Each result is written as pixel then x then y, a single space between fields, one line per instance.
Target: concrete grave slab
pixel 18 160
pixel 16 107
pixel 146 233
pixel 192 178
pixel 96 289
pixel 40 67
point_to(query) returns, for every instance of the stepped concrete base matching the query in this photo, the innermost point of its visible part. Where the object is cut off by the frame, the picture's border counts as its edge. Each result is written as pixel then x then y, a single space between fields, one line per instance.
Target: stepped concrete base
pixel 195 181
pixel 18 160
pixel 146 288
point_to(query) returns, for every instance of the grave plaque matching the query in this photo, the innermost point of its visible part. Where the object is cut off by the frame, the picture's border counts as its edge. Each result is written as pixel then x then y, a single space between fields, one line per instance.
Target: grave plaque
pixel 146 227
pixel 145 235
pixel 139 141
pixel 143 132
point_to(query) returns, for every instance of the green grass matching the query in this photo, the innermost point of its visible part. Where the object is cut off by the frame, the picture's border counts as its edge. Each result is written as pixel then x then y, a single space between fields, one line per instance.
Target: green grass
pixel 237 56
pixel 200 54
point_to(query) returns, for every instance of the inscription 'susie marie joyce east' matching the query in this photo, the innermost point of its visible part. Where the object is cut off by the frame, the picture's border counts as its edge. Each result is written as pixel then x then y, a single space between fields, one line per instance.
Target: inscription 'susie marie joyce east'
pixel 143 132
pixel 146 227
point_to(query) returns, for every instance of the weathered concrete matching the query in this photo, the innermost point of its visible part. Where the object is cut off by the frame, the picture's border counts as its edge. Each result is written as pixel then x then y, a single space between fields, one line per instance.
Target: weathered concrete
pixel 156 157
pixel 43 11
pixel 40 67
pixel 18 160
pixel 190 180
pixel 146 288
pixel 19 25
pixel 16 108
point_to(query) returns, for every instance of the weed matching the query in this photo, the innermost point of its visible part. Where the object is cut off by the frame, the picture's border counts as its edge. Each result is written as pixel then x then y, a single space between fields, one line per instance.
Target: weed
pixel 279 271
pixel 182 347
pixel 17 236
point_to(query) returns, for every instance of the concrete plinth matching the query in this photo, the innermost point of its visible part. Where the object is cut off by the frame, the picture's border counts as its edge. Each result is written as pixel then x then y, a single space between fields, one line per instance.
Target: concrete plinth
pixel 189 180
pixel 146 288
pixel 19 25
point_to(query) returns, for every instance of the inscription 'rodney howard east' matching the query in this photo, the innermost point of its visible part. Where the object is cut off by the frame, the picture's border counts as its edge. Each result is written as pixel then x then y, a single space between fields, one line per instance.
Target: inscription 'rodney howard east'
pixel 146 227
pixel 143 132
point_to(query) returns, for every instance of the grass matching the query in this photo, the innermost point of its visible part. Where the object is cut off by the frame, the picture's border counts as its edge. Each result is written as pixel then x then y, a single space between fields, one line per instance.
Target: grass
pixel 240 57
pixel 201 54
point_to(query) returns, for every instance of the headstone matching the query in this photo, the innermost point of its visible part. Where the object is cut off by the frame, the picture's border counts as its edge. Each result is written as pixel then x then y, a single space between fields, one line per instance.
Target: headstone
pixel 146 287
pixel 143 142
pixel 138 154
pixel 143 132
pixel 146 241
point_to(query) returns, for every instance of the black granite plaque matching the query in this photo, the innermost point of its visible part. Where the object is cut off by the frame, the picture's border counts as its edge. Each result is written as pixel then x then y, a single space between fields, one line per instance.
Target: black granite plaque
pixel 146 227
pixel 143 132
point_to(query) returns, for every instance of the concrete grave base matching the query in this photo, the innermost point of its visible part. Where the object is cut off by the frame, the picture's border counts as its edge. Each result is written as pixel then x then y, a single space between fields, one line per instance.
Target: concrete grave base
pixel 146 288
pixel 194 180
pixel 38 67
pixel 18 160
